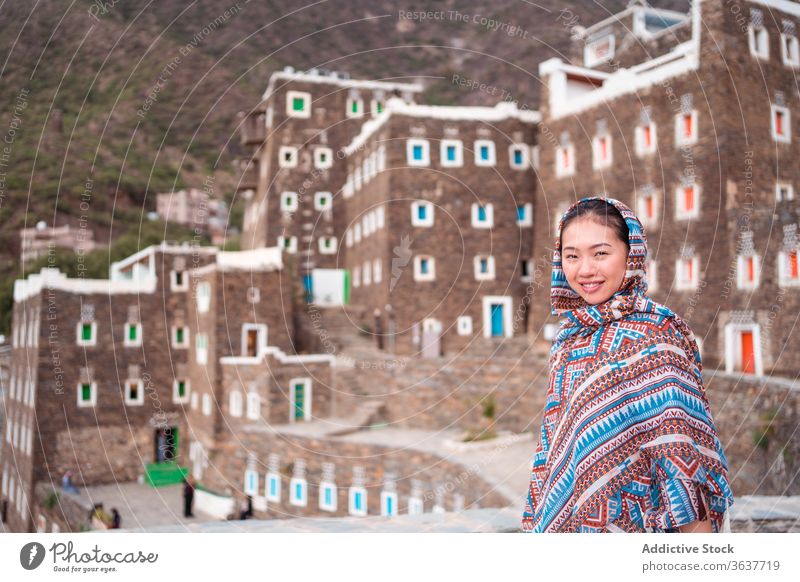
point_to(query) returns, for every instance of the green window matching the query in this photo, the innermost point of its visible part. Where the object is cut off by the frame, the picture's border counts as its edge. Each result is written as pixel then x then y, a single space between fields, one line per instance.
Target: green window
pixel 179 335
pixel 299 399
pixel 378 107
pixel 354 106
pixel 133 331
pixel 86 332
pixel 181 388
pixel 298 104
pixel 86 392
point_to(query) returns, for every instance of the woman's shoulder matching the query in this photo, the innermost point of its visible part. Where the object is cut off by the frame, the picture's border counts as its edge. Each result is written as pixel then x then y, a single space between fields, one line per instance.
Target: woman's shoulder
pixel 659 329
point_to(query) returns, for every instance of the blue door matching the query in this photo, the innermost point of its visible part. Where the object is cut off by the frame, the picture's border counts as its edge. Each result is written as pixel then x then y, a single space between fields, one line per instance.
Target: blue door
pixel 497 320
pixel 308 287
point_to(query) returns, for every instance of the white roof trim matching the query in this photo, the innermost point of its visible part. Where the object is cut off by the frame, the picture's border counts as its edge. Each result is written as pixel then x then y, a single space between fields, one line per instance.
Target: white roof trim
pixel 501 111
pixel 257 259
pixel 279 355
pixel 338 81
pixel 635 8
pixel 165 248
pixel 55 279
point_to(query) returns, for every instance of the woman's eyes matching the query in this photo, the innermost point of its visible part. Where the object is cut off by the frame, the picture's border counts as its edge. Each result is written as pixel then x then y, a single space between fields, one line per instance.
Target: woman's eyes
pixel 597 253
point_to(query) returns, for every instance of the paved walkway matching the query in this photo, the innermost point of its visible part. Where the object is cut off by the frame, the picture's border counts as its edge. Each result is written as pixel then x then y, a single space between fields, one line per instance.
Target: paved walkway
pixel 144 507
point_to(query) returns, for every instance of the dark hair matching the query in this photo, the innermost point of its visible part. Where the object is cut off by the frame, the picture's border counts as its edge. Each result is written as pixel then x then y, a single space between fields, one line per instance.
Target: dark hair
pixel 602 212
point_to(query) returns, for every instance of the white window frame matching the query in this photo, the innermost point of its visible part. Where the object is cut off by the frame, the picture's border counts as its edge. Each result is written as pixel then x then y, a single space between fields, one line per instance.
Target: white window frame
pixel 787 137
pixel 261 333
pixel 385 497
pixel 203 298
pixel 562 172
pixel 525 163
pixel 741 278
pixel 173 284
pixel 535 157
pixel 307 390
pixel 201 353
pixel 253 405
pixel 785 269
pixel 318 162
pixel 526 220
pixel 290 206
pixel 680 213
pixel 331 250
pixel 356 276
pixel 291 111
pixel 426 152
pixel 761 42
pixel 418 274
pixel 194 401
pixel 476 264
pixel 464 325
pixel 292 162
pixel 733 347
pixel 176 399
pixel 128 343
pixel 80 340
pixel 377 270
pixel 508 329
pixel 186 341
pixel 415 506
pixel 789 191
pixel 292 248
pixel 680 139
pixel 680 284
pixel 642 149
pixel 235 403
pixel 359 110
pixel 373 107
pixel 302 500
pixel 327 486
pixel 250 482
pixel 597 162
pixel 206 406
pixel 489 222
pixel 139 401
pixel 421 222
pixel 641 202
pixel 93 395
pixel 319 197
pixel 459 159
pixel 348 237
pixel 274 496
pixel 351 501
pixel 789 59
pixel 589 58
pixel 366 273
pixel 488 163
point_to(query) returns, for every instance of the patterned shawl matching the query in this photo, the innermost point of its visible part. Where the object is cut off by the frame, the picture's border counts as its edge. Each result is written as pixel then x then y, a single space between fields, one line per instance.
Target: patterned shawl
pixel 627 440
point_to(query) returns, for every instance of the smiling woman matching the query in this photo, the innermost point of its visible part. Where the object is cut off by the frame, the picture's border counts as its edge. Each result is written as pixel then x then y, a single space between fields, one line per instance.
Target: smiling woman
pixel 627 441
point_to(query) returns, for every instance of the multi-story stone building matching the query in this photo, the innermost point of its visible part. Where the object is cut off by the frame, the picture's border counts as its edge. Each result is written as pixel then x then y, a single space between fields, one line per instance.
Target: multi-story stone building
pixel 688 120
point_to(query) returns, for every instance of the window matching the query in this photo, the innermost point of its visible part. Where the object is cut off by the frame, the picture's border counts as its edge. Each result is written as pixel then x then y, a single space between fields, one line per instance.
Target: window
pixel 686 128
pixel 87 333
pixel 357 179
pixel 376 107
pixel 601 152
pixel 178 281
pixel 518 156
pixel 298 488
pixel 687 201
pixel 464 325
pixel 535 157
pixel 250 482
pixel 201 348
pixel 298 104
pixel 203 296
pixel 254 339
pixel 327 496
pixel 451 153
pixel 421 213
pixel 415 506
pixel 357 501
pixel 355 107
pixel 357 276
pixel 287 157
pixel 748 271
pixel 87 394
pixel 323 201
pixel 598 51
pixel 288 243
pixel 645 139
pixel 367 272
pixel 253 406
pixel 686 270
pixel 484 267
pixel 180 391
pixel 484 153
pixel 253 295
pixel 134 392
pixel 235 403
pixel 648 209
pixel 784 192
pixel 424 268
pixel 327 245
pixel 743 348
pixel 132 335
pixel 300 399
pixel 194 400
pixel 323 158
pixel 180 336
pixel 526 269
pixel 206 405
pixel 288 201
pixel 273 487
pixel 482 215
pixel 418 152
pixel 565 161
pixel 525 214
pixel 652 275
pixel 758 39
pixel 781 124
pixel 790 52
pixel 388 503
pixel 380 217
pixel 348 237
pixel 788 271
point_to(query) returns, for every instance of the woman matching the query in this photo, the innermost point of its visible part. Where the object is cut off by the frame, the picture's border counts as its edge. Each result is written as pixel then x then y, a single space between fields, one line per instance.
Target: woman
pixel 627 441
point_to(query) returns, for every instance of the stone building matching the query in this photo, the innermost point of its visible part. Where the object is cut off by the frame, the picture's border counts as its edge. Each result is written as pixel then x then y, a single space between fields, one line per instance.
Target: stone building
pixel 38 241
pixel 688 120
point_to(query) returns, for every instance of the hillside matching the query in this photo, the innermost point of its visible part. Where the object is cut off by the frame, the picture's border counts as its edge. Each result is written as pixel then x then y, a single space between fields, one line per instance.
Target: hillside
pixel 106 104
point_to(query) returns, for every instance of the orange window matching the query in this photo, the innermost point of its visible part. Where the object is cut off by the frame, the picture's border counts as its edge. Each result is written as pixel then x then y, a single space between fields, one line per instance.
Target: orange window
pixel 647 136
pixel 649 208
pixel 751 274
pixel 748 353
pixel 688 129
pixel 779 123
pixel 689 271
pixel 793 270
pixel 565 157
pixel 688 198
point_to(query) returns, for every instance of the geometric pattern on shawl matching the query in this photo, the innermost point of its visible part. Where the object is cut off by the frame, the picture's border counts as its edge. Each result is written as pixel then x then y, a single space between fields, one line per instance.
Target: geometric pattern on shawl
pixel 627 442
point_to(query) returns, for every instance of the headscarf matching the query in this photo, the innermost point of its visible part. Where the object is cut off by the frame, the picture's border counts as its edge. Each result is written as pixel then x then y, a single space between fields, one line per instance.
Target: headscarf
pixel 627 440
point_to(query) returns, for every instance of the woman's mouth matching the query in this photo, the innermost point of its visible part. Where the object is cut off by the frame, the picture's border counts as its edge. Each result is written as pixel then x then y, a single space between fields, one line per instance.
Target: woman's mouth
pixel 592 286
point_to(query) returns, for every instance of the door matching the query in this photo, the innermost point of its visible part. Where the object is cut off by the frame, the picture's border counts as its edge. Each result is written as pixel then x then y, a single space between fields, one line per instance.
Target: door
pixel 308 286
pixel 748 353
pixel 497 320
pixel 166 443
pixel 252 343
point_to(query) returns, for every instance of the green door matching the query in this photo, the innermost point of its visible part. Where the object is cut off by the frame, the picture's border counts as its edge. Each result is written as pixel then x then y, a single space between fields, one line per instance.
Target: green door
pixel 299 401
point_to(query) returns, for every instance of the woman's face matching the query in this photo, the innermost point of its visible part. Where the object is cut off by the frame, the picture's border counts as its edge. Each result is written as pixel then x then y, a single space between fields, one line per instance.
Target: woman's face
pixel 593 258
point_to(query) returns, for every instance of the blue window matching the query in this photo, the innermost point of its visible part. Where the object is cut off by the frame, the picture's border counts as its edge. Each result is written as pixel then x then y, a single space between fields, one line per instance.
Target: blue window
pixel 273 486
pixel 298 490
pixel 520 213
pixel 423 266
pixel 518 157
pixel 389 509
pixel 482 213
pixel 451 153
pixel 484 152
pixel 328 496
pixel 417 152
pixel 422 212
pixel 484 265
pixel 357 500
